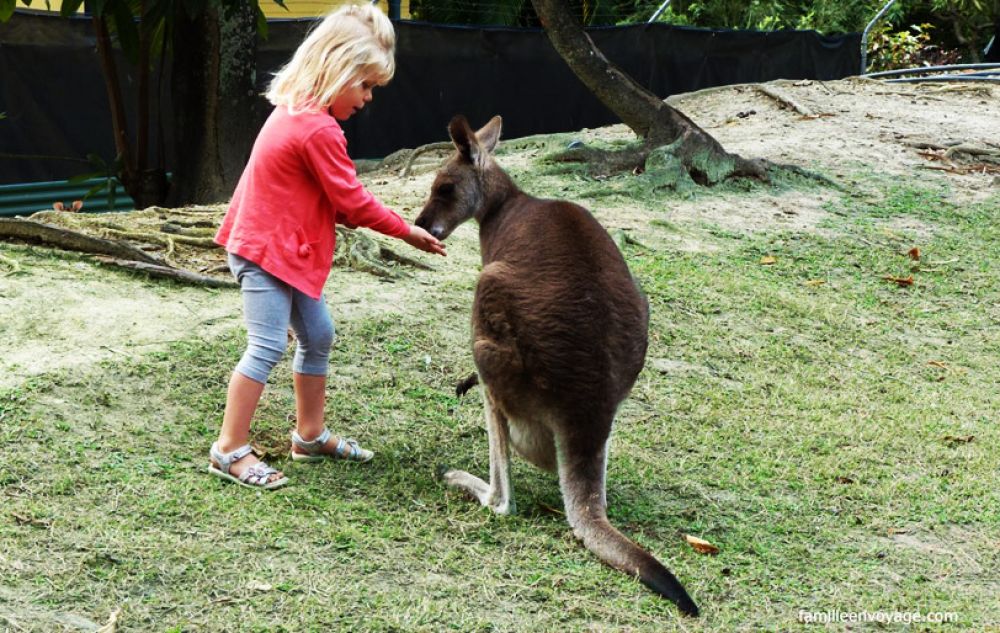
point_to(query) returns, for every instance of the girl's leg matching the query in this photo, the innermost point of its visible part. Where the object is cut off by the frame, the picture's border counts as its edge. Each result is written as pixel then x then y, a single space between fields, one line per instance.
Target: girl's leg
pixel 266 311
pixel 310 405
pixel 315 333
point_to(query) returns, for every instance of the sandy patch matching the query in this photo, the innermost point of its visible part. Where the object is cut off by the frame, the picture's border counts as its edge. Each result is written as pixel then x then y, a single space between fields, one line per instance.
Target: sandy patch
pixel 69 313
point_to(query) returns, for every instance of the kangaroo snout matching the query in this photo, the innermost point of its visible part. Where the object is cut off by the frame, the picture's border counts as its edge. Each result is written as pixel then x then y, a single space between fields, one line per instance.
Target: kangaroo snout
pixel 427 223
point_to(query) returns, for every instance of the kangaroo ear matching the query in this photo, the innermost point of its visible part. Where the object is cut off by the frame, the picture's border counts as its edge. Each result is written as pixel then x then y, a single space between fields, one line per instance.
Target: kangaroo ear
pixel 489 134
pixel 463 138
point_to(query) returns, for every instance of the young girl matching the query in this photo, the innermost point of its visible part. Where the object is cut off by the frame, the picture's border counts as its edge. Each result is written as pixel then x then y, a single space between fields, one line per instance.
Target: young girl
pixel 280 234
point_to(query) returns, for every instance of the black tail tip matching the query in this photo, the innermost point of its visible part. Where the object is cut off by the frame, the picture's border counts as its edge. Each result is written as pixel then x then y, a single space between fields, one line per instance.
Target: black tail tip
pixel 687 606
pixel 667 586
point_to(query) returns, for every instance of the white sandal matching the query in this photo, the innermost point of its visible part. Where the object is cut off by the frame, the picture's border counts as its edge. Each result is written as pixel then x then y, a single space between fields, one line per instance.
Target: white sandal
pixel 347 449
pixel 256 476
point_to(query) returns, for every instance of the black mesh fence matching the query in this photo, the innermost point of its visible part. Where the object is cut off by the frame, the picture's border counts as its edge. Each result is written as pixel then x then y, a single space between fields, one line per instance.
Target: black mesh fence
pixel 56 108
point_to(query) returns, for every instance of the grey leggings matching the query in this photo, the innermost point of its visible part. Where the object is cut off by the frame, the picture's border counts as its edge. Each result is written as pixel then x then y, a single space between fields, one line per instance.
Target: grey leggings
pixel 269 306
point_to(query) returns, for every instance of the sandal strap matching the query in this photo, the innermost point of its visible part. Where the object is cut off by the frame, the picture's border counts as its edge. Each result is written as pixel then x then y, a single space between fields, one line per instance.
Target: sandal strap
pixel 258 474
pixel 350 445
pixel 226 460
pixel 312 446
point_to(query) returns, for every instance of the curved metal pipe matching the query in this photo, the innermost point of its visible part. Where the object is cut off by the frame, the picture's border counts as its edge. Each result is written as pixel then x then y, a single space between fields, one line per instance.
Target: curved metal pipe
pixel 927 69
pixel 864 35
pixel 911 80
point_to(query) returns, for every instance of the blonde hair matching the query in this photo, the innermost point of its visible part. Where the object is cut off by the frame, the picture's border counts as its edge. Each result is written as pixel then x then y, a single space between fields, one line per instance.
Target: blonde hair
pixel 352 44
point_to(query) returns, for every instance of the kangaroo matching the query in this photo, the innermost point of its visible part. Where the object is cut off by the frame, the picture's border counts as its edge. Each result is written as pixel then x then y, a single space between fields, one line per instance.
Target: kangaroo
pixel 559 330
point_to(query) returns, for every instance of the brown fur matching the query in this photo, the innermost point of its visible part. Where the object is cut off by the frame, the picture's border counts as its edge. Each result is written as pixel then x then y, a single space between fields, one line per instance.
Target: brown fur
pixel 559 335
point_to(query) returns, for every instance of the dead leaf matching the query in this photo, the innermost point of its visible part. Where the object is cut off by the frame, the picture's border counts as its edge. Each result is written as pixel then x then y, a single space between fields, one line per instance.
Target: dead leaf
pixel 938 364
pixel 815 282
pixel 254 585
pixel 701 545
pixel 902 281
pixel 28 520
pixel 894 531
pixel 768 260
pixel 844 480
pixel 958 439
pixel 112 624
pixel 914 254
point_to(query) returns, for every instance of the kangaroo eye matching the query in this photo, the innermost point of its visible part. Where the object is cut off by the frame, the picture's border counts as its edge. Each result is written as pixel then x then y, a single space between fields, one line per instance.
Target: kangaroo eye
pixel 446 189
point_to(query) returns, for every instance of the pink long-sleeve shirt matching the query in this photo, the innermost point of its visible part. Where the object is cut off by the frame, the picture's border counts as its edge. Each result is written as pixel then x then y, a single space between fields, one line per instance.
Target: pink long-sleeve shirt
pixel 298 183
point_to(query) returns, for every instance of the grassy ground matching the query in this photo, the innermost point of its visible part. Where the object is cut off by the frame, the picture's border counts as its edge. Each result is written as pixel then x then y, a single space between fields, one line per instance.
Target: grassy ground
pixel 831 431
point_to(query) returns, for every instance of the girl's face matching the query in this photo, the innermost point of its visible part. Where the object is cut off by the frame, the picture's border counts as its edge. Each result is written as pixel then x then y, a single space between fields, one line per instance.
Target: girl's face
pixel 352 99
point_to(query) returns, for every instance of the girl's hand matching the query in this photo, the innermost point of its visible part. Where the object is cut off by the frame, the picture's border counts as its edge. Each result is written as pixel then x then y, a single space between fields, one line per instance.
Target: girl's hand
pixel 419 238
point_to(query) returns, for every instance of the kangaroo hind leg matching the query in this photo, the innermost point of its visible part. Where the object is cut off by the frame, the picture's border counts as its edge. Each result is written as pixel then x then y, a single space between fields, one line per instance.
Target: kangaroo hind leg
pixel 498 495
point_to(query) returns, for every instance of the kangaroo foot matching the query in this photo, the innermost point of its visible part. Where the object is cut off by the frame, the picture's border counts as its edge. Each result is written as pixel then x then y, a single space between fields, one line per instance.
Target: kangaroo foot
pixel 479 490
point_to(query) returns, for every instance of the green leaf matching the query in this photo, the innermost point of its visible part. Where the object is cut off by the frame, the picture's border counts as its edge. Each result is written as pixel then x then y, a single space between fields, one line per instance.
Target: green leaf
pixel 6 9
pixel 70 7
pixel 261 23
pixel 75 180
pixel 98 163
pixel 128 32
pixel 112 194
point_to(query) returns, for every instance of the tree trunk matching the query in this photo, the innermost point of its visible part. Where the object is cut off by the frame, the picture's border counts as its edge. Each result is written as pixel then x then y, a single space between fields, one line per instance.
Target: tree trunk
pixel 194 82
pixel 647 115
pixel 147 187
pixel 215 100
pixel 242 110
pixel 116 102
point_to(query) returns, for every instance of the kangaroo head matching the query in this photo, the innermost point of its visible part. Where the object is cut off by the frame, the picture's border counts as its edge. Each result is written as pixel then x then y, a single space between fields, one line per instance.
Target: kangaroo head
pixel 462 187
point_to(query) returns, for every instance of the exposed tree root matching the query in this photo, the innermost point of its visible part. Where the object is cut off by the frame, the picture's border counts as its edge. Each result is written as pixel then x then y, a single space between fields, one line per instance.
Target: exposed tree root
pixel 805 173
pixel 423 149
pixel 704 166
pixel 169 272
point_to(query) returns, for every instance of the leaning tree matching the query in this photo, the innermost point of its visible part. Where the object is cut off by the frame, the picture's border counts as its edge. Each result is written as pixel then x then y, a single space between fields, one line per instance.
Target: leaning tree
pixel 653 121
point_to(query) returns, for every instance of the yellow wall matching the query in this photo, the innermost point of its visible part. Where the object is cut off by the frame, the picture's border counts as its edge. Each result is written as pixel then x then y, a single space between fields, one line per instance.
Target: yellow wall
pixel 310 8
pixel 296 8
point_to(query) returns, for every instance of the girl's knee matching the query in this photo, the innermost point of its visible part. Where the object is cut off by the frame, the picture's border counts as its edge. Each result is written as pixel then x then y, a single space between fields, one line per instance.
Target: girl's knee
pixel 261 356
pixel 317 337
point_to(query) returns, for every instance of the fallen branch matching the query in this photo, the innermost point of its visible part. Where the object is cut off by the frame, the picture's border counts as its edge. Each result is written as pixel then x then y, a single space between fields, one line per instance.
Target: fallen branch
pixel 31 231
pixel 786 101
pixel 179 274
pixel 984 153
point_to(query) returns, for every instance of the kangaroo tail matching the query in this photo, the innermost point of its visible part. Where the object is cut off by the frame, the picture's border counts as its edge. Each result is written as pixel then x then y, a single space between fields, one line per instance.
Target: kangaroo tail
pixel 619 552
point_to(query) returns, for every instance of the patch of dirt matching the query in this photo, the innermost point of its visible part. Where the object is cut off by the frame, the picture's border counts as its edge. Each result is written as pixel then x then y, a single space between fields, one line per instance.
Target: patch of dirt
pixel 67 313
pixel 61 312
